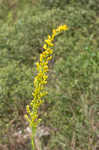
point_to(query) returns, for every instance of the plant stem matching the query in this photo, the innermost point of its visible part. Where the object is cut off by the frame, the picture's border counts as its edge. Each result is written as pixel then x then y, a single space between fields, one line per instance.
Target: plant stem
pixel 32 139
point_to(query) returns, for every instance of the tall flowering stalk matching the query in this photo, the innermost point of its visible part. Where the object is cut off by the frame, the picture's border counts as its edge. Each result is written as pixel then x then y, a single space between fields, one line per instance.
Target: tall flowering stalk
pixel 40 81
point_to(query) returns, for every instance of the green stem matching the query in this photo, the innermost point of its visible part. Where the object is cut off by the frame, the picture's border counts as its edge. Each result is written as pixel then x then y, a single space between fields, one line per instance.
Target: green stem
pixel 32 140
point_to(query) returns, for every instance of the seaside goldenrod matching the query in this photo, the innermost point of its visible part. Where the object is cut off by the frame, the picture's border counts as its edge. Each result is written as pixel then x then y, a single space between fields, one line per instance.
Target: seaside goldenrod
pixel 41 80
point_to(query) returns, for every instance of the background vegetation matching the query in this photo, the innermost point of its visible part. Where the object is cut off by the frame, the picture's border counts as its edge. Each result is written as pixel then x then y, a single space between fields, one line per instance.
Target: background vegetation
pixel 71 109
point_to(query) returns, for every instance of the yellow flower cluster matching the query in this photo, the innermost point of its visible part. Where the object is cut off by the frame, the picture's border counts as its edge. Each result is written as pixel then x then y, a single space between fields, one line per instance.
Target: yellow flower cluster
pixel 41 79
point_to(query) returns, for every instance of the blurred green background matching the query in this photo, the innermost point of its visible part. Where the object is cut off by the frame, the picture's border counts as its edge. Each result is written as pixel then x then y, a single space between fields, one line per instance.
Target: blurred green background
pixel 71 108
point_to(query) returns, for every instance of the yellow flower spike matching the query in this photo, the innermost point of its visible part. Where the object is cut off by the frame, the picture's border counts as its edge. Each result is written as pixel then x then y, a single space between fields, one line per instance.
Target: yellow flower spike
pixel 41 80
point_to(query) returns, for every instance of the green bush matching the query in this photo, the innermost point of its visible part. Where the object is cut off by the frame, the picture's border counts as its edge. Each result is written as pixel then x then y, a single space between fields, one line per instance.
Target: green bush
pixel 73 78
